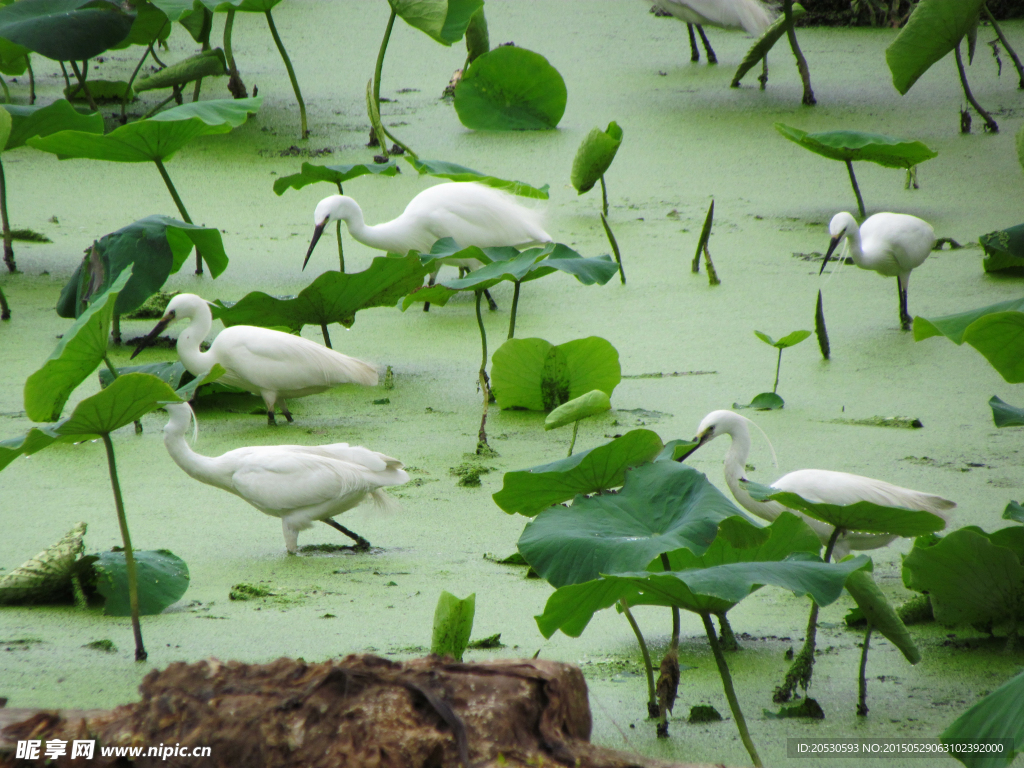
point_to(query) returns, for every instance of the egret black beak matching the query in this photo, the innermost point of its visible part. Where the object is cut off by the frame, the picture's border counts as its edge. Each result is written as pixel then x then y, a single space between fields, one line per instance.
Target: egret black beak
pixel 152 335
pixel 833 244
pixel 700 439
pixel 312 243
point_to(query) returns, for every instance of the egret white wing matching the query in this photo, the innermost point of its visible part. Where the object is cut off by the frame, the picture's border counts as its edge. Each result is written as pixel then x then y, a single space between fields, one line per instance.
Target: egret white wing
pixel 824 486
pixel 288 480
pixel 475 214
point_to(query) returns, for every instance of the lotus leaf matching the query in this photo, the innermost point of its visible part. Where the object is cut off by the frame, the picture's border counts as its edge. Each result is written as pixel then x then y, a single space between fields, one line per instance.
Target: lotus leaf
pixel 335 174
pixel 13 58
pixel 443 20
pixel 880 614
pixel 1004 249
pixel 789 340
pixel 102 92
pixel 204 64
pixel 511 88
pixel 1004 414
pixel 456 172
pixel 766 401
pixel 453 624
pixel 857 145
pixel 765 43
pixel 151 25
pixel 590 404
pixel 997 331
pixel 1014 511
pixel 48 575
pixel 42 121
pixel 594 156
pixel 998 716
pixel 162 577
pixel 65 30
pixel 934 29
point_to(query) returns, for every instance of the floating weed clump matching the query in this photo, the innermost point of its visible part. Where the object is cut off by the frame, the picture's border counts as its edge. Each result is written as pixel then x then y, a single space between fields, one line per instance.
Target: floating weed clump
pixel 469 474
pixel 106 646
pixel 896 422
pixel 245 591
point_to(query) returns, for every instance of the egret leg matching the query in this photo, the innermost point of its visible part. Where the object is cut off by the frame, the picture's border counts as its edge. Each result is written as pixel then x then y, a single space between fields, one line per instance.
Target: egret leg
pixel 286 412
pixel 694 50
pixel 905 319
pixel 271 422
pixel 712 59
pixel 362 544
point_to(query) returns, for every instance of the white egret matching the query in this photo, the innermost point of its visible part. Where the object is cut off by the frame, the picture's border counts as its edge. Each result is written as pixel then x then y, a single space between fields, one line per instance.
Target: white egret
pixel 750 15
pixel 891 244
pixel 274 365
pixel 816 485
pixel 298 483
pixel 467 212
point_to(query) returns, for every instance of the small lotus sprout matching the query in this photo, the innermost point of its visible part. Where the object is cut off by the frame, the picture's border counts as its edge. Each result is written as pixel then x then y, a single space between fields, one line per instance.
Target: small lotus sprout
pixel 574 411
pixel 702 247
pixel 593 158
pixel 770 401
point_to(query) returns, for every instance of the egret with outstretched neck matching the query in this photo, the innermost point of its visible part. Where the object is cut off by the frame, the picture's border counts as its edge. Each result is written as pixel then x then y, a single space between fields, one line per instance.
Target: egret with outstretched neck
pixel 818 486
pixel 274 365
pixel 891 244
pixel 298 483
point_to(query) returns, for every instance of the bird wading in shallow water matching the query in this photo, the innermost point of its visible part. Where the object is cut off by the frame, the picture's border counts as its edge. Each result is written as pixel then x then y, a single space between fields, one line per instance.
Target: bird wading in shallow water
pixel 819 486
pixel 467 212
pixel 891 244
pixel 298 483
pixel 274 365
pixel 750 15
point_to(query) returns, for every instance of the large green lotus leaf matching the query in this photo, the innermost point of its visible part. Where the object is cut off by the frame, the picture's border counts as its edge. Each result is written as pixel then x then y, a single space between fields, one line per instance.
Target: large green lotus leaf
pixel 155 138
pixel 584 406
pixel 443 20
pixel 953 327
pixel 765 43
pixel 1000 715
pixel 529 491
pixel 1004 414
pixel 662 506
pixel 13 58
pixel 47 576
pixel 570 608
pixel 453 624
pixel 511 89
pixel 171 372
pixel 162 580
pixel 934 29
pixel 65 30
pixel 335 174
pixel 538 376
pixel 154 247
pixel 857 145
pixel 127 399
pixel 445 170
pixel 151 25
pixel 76 356
pixel 334 297
pixel 1004 249
pixel 880 613
pixel 203 64
pixel 594 156
pixel 42 121
pixel 864 516
pixel 1000 338
pixel 32 441
pixel 970 579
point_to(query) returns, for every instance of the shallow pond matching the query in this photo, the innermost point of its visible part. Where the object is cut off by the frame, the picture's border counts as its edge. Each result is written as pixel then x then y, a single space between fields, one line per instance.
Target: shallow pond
pixel 688 138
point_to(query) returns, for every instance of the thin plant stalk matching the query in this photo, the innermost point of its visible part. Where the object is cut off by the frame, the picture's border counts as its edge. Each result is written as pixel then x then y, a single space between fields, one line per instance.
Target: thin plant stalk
pixel 84 86
pixel 204 38
pixel 379 68
pixel 181 208
pixel 174 94
pixel 730 692
pixel 856 190
pixel 862 689
pixel 8 248
pixel 674 645
pixel 615 247
pixel 124 99
pixel 482 446
pixel 7 91
pixel 129 558
pixel 990 124
pixel 512 314
pixel 575 428
pixel 327 335
pixel 341 250
pixel 652 697
pixel 291 71
pixel 5 309
pixel 778 365
pixel 31 80
pixel 801 62
pixel 67 80
pixel 235 84
pixel 604 197
pixel 1005 42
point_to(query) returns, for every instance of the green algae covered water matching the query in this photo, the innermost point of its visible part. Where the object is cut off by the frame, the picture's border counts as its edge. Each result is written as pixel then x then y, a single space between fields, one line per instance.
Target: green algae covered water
pixel 688 138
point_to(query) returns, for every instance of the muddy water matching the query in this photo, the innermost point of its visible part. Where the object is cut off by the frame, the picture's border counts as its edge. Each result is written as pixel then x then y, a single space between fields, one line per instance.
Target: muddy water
pixel 688 138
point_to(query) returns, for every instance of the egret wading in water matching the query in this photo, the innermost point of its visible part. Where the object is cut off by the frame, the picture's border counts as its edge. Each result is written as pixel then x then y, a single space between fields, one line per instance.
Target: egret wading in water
pixel 274 365
pixel 891 244
pixel 819 486
pixel 298 483
pixel 467 212
pixel 752 16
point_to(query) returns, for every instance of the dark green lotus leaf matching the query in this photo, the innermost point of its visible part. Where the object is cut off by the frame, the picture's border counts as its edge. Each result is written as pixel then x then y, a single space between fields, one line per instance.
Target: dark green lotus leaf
pixel 582 407
pixel 1004 249
pixel 170 372
pixel 662 506
pixel 857 145
pixel 953 327
pixel 1000 715
pixel 42 121
pixel 539 376
pixel 76 356
pixel 934 29
pixel 863 516
pixel 766 401
pixel 162 580
pixel 443 20
pixel 334 297
pixel 789 340
pixel 478 42
pixel 453 624
pixel 445 170
pixel 511 89
pixel 970 578
pixel 13 58
pixel 1014 511
pixel 760 48
pixel 570 608
pixel 528 491
pixel 204 64
pixel 102 92
pixel 127 399
pixel 997 331
pixel 155 138
pixel 151 25
pixel 65 30
pixel 677 450
pixel 47 576
pixel 1004 414
pixel 880 614
pixel 154 247
pixel 335 174
pixel 594 156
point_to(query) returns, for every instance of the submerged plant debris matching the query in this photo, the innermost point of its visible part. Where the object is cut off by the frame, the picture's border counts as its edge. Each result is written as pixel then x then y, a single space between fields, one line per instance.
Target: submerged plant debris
pixel 897 422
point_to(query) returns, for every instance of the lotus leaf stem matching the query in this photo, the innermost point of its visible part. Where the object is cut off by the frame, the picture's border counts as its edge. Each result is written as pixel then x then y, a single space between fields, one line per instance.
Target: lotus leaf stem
pixel 482 446
pixel 157 60
pixel 512 314
pixel 778 365
pixel 327 336
pixel 1005 42
pixel 174 95
pixel 726 636
pixel 990 124
pixel 730 692
pixel 124 98
pixel 291 72
pixel 801 62
pixel 181 208
pixel 31 80
pixel 341 249
pixel 204 38
pixel 675 611
pixel 67 80
pixel 652 697
pixel 82 84
pixel 856 189
pixel 615 247
pixel 8 248
pixel 7 91
pixel 862 689
pixel 604 197
pixel 129 558
pixel 380 64
pixel 575 428
pixel 235 84
pixel 5 309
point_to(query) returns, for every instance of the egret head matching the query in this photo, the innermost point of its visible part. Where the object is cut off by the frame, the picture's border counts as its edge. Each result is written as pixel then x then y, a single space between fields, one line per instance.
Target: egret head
pixel 180 416
pixel 842 225
pixel 184 305
pixel 719 423
pixel 333 208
